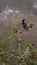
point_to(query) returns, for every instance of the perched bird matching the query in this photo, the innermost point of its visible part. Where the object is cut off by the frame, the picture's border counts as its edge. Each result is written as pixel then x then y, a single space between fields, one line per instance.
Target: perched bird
pixel 24 23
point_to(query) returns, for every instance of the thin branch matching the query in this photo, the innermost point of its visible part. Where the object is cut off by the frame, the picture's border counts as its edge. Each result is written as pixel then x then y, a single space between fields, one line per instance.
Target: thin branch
pixel 26 52
pixel 14 56
pixel 7 53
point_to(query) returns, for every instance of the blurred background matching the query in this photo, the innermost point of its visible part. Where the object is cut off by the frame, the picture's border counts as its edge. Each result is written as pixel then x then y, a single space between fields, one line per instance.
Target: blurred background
pixel 25 6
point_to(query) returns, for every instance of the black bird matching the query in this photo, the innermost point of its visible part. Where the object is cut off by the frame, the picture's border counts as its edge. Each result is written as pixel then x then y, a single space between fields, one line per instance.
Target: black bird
pixel 24 23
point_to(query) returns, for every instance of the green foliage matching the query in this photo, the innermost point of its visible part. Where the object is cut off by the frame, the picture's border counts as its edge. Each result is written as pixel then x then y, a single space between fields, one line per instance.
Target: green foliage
pixel 15 29
pixel 32 52
pixel 17 52
pixel 33 63
pixel 7 55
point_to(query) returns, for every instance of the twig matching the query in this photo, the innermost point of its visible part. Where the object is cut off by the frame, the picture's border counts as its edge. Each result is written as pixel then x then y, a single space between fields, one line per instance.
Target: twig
pixel 26 52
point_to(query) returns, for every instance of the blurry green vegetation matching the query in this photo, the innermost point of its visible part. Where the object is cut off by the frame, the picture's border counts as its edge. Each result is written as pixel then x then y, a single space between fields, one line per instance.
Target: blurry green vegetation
pixel 6 51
